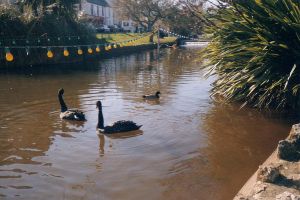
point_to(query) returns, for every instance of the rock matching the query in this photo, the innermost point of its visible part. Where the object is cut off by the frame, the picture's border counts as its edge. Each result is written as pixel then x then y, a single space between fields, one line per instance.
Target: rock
pixel 241 198
pixel 287 196
pixel 289 149
pixel 286 150
pixel 258 190
pixel 268 174
pixel 295 131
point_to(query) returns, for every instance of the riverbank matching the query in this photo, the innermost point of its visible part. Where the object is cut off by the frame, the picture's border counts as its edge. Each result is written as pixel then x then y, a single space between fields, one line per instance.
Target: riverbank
pixel 279 176
pixel 40 56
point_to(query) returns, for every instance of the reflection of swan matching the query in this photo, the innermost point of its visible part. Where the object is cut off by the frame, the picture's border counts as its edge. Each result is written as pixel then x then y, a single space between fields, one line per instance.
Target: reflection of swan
pixel 117 127
pixel 70 114
pixel 155 96
pixel 125 135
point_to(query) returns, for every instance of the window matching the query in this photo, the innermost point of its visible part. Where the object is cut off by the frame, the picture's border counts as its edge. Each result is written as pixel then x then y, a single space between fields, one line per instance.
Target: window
pixel 92 9
pixel 102 11
pixel 98 11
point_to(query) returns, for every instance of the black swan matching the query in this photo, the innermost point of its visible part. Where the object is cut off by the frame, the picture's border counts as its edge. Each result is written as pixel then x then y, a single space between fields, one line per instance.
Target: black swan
pixel 155 96
pixel 69 114
pixel 117 127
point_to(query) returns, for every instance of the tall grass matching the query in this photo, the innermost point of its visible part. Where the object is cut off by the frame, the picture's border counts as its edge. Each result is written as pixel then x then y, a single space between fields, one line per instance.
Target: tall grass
pixel 255 52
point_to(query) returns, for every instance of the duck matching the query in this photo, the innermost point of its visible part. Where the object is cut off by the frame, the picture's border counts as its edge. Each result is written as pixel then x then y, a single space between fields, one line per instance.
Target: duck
pixel 155 96
pixel 68 114
pixel 117 127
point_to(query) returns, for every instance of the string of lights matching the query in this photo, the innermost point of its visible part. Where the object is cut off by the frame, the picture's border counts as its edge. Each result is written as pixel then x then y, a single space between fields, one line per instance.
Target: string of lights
pixel 50 53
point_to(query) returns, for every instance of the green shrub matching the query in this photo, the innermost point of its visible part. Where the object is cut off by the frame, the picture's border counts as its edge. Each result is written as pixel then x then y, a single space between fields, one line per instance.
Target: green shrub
pixel 255 52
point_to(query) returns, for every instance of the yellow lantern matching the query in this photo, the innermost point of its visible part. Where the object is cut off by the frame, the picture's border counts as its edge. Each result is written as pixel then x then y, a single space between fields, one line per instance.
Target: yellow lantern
pixel 8 56
pixel 66 52
pixel 90 50
pixel 97 49
pixel 49 54
pixel 79 51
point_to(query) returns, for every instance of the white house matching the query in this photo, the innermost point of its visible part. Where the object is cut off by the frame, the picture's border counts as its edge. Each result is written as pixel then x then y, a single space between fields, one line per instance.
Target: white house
pixel 104 12
pixel 125 23
pixel 98 11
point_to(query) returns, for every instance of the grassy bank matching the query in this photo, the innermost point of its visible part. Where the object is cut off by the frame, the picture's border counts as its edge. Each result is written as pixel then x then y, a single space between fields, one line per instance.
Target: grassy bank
pixel 139 38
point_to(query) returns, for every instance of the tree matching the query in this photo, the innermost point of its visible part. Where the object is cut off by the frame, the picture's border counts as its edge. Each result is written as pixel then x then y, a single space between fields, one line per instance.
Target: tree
pixel 181 20
pixel 144 12
pixel 59 7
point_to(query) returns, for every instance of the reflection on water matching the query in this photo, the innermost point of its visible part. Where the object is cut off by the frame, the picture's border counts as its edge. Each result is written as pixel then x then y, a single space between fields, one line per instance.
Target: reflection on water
pixel 188 147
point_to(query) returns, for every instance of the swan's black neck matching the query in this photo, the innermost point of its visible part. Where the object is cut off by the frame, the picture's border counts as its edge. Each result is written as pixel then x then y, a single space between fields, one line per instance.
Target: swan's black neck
pixel 100 124
pixel 63 106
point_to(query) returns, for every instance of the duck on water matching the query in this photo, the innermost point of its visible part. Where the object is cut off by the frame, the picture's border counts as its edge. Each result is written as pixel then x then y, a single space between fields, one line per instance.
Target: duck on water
pixel 117 127
pixel 69 114
pixel 155 96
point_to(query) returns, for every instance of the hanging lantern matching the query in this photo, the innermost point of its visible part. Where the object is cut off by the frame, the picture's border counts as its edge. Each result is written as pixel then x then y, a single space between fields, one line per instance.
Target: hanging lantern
pixel 115 46
pixel 66 52
pixel 49 53
pixel 79 51
pixel 97 49
pixel 90 50
pixel 8 56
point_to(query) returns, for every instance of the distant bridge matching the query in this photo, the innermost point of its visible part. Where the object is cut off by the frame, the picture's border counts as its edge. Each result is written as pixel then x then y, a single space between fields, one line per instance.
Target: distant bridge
pixel 191 42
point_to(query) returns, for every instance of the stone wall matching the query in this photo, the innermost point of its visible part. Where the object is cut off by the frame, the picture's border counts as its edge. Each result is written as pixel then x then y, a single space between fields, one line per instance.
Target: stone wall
pixel 279 177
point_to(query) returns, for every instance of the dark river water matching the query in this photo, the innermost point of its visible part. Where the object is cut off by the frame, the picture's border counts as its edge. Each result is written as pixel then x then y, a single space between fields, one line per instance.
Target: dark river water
pixel 190 147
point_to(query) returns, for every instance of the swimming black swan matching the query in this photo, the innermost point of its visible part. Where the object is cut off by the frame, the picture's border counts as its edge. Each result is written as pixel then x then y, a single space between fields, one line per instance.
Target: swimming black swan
pixel 117 127
pixel 69 114
pixel 155 96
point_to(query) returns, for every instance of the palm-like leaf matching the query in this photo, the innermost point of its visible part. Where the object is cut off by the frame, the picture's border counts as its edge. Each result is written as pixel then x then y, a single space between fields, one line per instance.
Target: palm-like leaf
pixel 255 50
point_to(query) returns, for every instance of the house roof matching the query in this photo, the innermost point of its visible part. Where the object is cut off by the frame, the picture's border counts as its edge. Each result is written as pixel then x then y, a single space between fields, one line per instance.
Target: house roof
pixel 99 2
